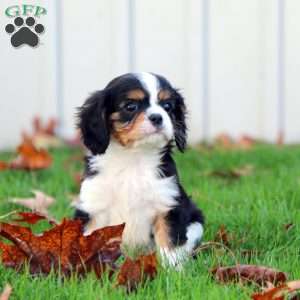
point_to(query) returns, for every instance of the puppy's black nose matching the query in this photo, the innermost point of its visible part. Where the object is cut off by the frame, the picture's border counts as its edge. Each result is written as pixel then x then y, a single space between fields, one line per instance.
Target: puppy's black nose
pixel 156 119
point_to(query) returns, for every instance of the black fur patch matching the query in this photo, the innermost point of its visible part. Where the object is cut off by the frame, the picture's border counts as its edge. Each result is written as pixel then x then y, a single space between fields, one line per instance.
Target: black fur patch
pixel 82 216
pixel 186 212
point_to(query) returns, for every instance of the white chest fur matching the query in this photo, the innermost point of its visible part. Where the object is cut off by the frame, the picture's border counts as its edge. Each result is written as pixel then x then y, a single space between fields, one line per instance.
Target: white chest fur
pixel 127 189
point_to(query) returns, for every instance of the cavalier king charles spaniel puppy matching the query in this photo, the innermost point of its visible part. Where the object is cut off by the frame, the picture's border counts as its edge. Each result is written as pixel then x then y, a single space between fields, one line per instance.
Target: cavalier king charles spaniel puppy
pixel 130 128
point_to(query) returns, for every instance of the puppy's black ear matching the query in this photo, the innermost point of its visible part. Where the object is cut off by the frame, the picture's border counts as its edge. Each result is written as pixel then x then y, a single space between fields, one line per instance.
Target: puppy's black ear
pixel 180 123
pixel 93 121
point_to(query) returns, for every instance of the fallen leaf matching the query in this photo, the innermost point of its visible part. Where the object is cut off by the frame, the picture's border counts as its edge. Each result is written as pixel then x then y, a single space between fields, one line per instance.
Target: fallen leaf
pixel 135 272
pixel 277 293
pixel 3 165
pixel 62 248
pixel 43 135
pixel 48 128
pixel 225 141
pixel 12 256
pixel 222 236
pixel 40 203
pixel 6 292
pixel 245 142
pixel 31 218
pixel 234 173
pixel 31 158
pixel 288 226
pixel 248 273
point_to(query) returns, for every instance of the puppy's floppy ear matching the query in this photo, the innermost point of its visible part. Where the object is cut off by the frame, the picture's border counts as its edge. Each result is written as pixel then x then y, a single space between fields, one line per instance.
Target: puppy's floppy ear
pixel 93 121
pixel 180 123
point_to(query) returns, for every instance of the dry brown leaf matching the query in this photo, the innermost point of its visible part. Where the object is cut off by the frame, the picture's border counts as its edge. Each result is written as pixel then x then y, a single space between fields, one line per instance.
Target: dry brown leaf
pixel 225 141
pixel 3 165
pixel 40 203
pixel 222 236
pixel 29 158
pixel 234 173
pixel 288 226
pixel 135 272
pixel 30 218
pixel 62 248
pixel 43 135
pixel 48 128
pixel 277 293
pixel 6 292
pixel 244 142
pixel 249 273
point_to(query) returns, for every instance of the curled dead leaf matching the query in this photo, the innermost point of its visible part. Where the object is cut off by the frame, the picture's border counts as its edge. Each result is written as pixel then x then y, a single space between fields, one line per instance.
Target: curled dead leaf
pixel 135 272
pixel 222 236
pixel 249 273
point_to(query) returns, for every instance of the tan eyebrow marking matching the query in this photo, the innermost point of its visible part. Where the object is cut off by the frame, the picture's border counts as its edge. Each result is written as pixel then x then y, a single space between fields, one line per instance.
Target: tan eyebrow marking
pixel 136 94
pixel 164 95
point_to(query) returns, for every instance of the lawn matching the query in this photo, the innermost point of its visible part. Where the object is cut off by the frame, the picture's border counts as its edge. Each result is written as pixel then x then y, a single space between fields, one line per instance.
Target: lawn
pixel 253 208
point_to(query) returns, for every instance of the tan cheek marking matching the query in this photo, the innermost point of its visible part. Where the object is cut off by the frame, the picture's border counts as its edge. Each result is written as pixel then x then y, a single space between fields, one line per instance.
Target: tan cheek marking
pixel 164 95
pixel 136 94
pixel 115 116
pixel 128 133
pixel 162 232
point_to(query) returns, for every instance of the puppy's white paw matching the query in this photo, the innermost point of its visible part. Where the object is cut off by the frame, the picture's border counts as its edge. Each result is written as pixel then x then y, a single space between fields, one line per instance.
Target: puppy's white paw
pixel 174 258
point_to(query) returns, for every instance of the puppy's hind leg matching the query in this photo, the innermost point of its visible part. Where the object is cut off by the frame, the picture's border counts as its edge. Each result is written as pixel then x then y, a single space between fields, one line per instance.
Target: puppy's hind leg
pixel 176 244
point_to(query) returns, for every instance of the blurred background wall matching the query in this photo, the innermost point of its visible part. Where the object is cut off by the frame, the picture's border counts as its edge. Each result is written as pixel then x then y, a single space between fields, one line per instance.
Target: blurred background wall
pixel 237 62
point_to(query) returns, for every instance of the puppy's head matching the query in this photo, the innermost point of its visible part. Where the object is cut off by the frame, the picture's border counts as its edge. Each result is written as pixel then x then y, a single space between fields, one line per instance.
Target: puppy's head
pixel 135 110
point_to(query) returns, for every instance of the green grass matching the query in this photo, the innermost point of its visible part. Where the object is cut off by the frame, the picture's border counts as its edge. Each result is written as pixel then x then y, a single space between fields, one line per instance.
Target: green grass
pixel 253 208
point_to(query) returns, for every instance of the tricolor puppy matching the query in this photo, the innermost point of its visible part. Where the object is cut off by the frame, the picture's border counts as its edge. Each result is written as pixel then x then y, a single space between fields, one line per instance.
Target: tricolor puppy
pixel 130 128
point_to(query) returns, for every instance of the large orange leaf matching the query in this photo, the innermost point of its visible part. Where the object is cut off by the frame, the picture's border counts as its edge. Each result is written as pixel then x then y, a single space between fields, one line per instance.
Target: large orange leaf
pixel 29 158
pixel 63 248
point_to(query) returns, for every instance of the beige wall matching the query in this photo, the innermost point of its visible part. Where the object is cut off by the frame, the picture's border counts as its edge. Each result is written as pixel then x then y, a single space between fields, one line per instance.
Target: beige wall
pixel 168 35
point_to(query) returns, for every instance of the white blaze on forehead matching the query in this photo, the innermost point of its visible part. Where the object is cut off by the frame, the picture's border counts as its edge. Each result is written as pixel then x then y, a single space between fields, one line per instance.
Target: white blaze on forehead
pixel 150 84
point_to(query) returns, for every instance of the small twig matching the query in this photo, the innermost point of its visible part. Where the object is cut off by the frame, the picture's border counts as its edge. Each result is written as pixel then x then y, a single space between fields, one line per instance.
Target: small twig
pixel 208 245
pixel 8 214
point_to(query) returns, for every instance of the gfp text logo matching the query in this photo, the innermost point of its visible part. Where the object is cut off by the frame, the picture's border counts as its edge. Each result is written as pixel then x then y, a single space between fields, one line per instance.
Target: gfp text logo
pixel 24 29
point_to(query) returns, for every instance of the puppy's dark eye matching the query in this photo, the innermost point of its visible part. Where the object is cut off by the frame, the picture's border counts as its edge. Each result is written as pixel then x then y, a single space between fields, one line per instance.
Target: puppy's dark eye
pixel 131 107
pixel 167 106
